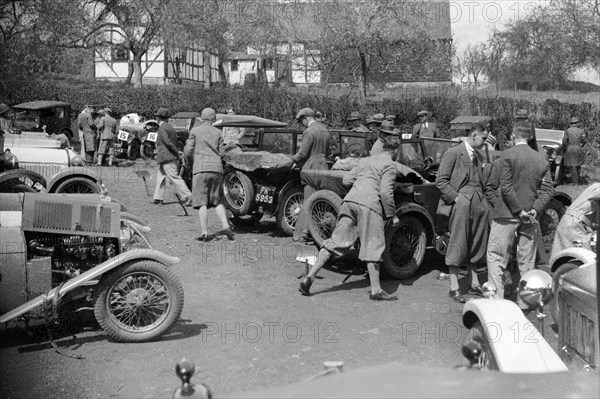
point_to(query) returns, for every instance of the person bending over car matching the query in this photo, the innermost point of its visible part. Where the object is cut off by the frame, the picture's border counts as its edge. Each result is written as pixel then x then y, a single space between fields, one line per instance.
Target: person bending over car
pixel 361 217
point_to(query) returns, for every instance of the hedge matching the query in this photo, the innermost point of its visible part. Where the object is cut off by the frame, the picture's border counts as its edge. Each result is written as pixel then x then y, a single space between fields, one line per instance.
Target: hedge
pixel 283 103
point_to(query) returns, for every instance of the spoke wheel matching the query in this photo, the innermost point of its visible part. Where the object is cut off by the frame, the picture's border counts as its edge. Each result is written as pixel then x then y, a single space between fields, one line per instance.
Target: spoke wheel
pixel 405 248
pixel 323 208
pixel 486 360
pixel 78 185
pixel 289 210
pixel 138 302
pixel 549 221
pixel 239 193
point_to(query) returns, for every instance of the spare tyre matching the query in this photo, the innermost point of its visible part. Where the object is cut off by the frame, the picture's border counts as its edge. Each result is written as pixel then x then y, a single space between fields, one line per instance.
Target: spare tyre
pixel 323 208
pixel 239 193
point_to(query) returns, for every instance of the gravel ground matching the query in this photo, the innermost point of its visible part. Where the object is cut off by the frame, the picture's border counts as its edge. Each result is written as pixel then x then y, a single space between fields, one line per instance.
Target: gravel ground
pixel 244 324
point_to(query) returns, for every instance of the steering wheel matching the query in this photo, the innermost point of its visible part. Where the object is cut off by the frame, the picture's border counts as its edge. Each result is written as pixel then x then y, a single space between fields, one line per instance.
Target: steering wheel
pixel 355 150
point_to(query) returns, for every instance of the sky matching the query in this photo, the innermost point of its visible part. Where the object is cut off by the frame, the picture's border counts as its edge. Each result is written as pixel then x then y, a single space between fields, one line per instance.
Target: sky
pixel 472 22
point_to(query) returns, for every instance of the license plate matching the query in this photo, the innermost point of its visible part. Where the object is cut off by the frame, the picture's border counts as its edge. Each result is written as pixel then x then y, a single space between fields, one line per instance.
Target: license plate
pixel 152 137
pixel 123 135
pixel 265 194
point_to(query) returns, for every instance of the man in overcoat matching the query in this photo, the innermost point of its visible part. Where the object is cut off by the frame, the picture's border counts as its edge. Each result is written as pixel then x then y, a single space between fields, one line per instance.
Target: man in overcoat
pixel 573 142
pixel 87 127
pixel 464 207
pixel 107 128
pixel 167 157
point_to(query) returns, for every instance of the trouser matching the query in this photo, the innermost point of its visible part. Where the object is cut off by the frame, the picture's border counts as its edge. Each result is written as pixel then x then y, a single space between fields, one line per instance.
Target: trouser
pixel 82 142
pixel 574 171
pixel 503 234
pixel 170 171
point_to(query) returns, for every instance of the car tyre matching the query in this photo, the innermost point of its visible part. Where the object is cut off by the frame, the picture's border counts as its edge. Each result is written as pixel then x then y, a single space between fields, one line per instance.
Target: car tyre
pixel 138 302
pixel 289 210
pixel 477 335
pixel 133 150
pixel 78 185
pixel 323 208
pixel 147 150
pixel 239 193
pixel 405 248
pixel 549 220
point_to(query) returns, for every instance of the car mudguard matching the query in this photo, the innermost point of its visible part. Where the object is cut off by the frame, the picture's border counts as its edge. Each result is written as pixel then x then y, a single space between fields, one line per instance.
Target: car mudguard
pixel 564 198
pixel 421 213
pixel 73 171
pixel 281 193
pixel 570 254
pixel 517 345
pixel 94 273
pixel 20 173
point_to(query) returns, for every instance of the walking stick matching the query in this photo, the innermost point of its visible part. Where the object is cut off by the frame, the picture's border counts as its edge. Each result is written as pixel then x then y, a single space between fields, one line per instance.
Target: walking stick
pixel 183 206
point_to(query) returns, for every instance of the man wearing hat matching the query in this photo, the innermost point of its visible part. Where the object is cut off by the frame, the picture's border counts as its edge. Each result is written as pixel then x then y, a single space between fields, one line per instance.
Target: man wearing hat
pixel 572 143
pixel 373 125
pixel 87 133
pixel 107 128
pixel 313 154
pixel 369 202
pixel 425 128
pixel 167 157
pixel 385 130
pixel 353 123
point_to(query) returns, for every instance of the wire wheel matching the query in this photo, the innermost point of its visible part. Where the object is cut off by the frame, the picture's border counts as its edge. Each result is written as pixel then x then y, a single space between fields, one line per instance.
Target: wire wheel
pixel 405 248
pixel 78 185
pixel 289 210
pixel 239 193
pixel 138 302
pixel 549 221
pixel 323 208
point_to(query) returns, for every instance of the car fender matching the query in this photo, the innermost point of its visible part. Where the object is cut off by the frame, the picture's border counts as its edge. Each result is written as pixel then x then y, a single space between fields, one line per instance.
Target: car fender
pixel 570 254
pixel 283 190
pixel 517 345
pixel 564 198
pixel 421 213
pixel 73 171
pixel 93 273
pixel 20 173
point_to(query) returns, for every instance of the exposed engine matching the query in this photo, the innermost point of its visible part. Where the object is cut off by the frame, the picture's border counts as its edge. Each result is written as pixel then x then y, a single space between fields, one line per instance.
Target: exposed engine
pixel 71 254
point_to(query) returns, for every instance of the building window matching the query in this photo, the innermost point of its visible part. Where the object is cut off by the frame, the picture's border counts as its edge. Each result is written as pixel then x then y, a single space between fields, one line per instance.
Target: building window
pixel 269 64
pixel 234 65
pixel 119 53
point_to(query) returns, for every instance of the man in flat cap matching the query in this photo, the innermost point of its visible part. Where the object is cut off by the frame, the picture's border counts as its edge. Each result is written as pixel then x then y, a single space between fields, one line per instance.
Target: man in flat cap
pixel 312 155
pixel 573 142
pixel 425 128
pixel 107 128
pixel 167 157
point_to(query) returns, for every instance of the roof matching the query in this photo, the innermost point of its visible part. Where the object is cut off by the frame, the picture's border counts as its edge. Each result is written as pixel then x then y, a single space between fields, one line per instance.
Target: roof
pixel 245 121
pixel 185 115
pixel 41 104
pixel 464 122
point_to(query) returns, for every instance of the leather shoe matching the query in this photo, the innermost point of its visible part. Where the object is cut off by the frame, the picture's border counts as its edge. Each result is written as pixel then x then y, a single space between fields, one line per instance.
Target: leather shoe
pixel 476 291
pixel 456 296
pixel 204 237
pixel 382 296
pixel 227 233
pixel 305 286
pixel 157 202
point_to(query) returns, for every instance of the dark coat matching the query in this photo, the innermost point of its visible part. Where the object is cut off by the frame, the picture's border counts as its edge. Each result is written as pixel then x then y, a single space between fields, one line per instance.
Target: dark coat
pixel 85 122
pixel 573 141
pixel 166 147
pixel 525 182
pixel 315 148
pixel 107 127
pixel 421 131
pixel 203 143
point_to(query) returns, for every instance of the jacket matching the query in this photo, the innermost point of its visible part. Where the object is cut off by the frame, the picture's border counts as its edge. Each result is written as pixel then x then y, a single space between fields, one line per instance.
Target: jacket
pixel 107 127
pixel 166 147
pixel 525 182
pixel 315 148
pixel 373 181
pixel 421 131
pixel 203 144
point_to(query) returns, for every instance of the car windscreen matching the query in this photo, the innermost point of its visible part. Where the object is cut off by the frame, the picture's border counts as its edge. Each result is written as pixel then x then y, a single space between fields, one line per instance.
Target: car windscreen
pixel 436 148
pixel 352 146
pixel 27 119
pixel 180 122
pixel 278 142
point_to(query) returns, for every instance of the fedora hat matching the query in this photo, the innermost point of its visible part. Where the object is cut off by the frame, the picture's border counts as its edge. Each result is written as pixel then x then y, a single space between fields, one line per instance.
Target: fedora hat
pixel 354 116
pixel 162 113
pixel 575 119
pixel 424 113
pixel 387 127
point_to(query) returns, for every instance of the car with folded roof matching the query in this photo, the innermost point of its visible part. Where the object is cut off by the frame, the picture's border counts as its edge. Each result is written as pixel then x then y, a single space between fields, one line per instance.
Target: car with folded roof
pixel 51 117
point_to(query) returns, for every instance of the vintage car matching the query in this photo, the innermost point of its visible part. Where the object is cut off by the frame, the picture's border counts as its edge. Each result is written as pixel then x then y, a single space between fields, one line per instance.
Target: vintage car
pixel 550 141
pixel 62 168
pixel 136 137
pixel 183 122
pixel 52 117
pixel 63 252
pixel 263 182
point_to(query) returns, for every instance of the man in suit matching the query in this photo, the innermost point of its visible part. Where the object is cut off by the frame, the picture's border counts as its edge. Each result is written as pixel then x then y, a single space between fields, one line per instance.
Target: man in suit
pixel 460 180
pixel 108 131
pixel 369 202
pixel 312 155
pixel 573 142
pixel 167 157
pixel 425 128
pixel 525 190
pixel 87 133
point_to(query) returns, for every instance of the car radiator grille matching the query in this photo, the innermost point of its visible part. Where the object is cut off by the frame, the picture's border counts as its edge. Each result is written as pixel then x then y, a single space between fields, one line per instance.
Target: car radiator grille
pixel 578 333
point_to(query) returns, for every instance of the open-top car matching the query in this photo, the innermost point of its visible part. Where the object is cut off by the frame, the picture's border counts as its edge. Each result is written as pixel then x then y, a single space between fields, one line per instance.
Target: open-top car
pixel 551 141
pixel 52 117
pixel 62 169
pixel 261 181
